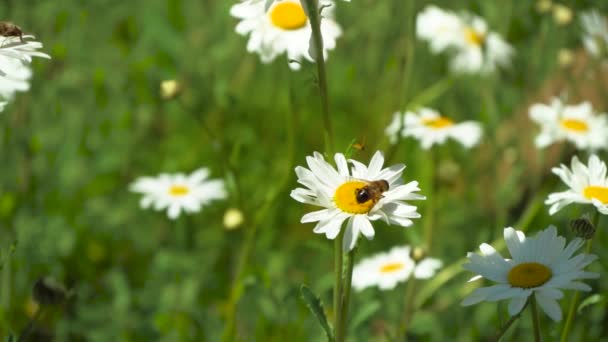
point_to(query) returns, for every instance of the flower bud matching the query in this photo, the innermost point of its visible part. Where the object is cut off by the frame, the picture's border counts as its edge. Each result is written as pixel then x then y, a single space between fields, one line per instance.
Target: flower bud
pixel 169 89
pixel 582 228
pixel 562 14
pixel 417 254
pixel 47 291
pixel 233 218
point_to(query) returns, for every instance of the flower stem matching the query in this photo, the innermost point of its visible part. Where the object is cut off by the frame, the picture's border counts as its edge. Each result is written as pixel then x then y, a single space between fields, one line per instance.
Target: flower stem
pixel 346 284
pixel 535 320
pixel 577 294
pixel 338 284
pixel 313 12
pixel 429 223
pixel 407 310
pixel 510 322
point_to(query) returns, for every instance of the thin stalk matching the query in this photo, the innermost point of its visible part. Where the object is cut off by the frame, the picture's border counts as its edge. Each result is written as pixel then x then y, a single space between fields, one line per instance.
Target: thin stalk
pixel 577 294
pixel 407 309
pixel 338 283
pixel 25 333
pixel 535 320
pixel 346 281
pixel 429 223
pixel 510 322
pixel 314 17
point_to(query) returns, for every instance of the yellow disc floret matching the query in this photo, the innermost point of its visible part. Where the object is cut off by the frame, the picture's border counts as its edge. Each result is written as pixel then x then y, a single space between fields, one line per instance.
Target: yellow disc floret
pixel 391 267
pixel 473 37
pixel 438 122
pixel 575 125
pixel 598 192
pixel 178 190
pixel 346 199
pixel 528 275
pixel 288 15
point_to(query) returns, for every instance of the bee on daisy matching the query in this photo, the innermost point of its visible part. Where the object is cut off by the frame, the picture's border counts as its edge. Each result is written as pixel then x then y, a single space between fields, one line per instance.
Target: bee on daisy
pixel 282 27
pixel 466 37
pixel 179 192
pixel 578 124
pixel 587 184
pixel 357 195
pixel 431 128
pixel 386 270
pixel 540 266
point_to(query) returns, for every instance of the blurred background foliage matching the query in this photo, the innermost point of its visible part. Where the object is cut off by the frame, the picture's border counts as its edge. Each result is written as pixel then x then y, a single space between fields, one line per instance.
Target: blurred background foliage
pixel 94 121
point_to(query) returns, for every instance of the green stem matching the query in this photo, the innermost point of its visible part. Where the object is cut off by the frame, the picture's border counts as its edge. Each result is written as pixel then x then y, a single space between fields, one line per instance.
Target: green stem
pixel 407 309
pixel 317 41
pixel 576 296
pixel 510 322
pixel 25 333
pixel 535 320
pixel 338 284
pixel 346 281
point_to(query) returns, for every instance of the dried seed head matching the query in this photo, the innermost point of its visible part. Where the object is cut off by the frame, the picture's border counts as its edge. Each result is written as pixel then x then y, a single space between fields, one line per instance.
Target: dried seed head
pixel 582 228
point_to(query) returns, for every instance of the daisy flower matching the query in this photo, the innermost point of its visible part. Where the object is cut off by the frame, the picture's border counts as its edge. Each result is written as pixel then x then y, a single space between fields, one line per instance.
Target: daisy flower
pixel 474 48
pixel 393 130
pixel 15 77
pixel 347 195
pixel 575 123
pixel 595 37
pixel 283 28
pixel 539 266
pixel 431 128
pixel 587 185
pixel 21 48
pixel 385 270
pixel 179 192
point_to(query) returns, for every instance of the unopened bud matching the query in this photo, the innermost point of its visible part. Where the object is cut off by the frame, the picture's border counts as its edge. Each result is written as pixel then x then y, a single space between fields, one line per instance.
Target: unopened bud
pixel 562 14
pixel 565 57
pixel 418 254
pixel 169 89
pixel 48 291
pixel 543 6
pixel 582 228
pixel 233 218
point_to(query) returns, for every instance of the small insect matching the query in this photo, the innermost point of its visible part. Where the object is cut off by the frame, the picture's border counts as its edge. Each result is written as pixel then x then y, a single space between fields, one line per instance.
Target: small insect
pixel 8 29
pixel 372 191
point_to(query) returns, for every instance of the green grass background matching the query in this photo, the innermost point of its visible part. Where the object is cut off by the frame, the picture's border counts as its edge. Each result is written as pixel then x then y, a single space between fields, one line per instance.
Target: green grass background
pixel 93 122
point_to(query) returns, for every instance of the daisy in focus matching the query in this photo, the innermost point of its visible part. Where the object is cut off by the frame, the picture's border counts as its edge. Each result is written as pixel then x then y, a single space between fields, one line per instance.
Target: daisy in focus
pixel 542 266
pixel 283 28
pixel 595 36
pixel 386 270
pixel 588 184
pixel 575 123
pixel 474 48
pixel 430 128
pixel 179 192
pixel 358 195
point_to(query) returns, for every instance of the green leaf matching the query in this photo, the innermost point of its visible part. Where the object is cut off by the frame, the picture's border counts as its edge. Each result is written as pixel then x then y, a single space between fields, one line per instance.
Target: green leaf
pixel 316 307
pixel 593 299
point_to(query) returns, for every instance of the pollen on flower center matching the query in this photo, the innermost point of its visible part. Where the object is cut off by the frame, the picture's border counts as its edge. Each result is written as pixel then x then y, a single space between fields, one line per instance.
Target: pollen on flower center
pixel 391 267
pixel 346 199
pixel 598 192
pixel 178 190
pixel 575 125
pixel 528 275
pixel 438 122
pixel 288 15
pixel 473 37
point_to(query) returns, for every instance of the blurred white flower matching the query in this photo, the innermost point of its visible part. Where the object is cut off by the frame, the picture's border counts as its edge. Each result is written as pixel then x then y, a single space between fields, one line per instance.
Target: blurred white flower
pixel 430 128
pixel 473 47
pixel 346 195
pixel 283 28
pixel 395 127
pixel 575 123
pixel 587 185
pixel 539 266
pixel 595 36
pixel 21 48
pixel 385 270
pixel 179 192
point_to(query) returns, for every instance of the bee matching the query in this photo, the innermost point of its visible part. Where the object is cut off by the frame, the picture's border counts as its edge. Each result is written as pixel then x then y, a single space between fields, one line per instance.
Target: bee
pixel 8 29
pixel 372 191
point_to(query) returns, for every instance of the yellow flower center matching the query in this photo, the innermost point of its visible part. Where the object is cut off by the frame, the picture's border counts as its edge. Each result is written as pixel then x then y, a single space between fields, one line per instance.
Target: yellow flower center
pixel 391 267
pixel 288 15
pixel 528 275
pixel 438 122
pixel 473 37
pixel 178 190
pixel 578 126
pixel 598 192
pixel 346 199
